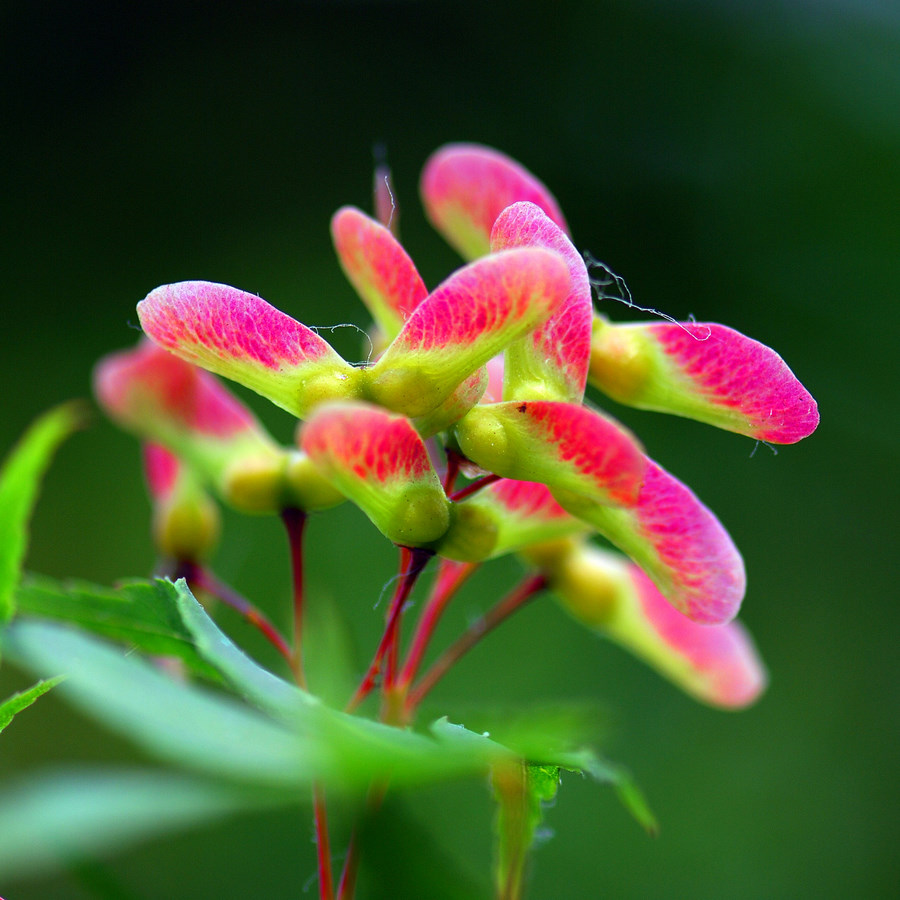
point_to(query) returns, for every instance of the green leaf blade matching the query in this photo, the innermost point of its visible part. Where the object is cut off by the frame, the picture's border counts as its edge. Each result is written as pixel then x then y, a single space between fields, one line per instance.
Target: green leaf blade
pixel 358 750
pixel 54 818
pixel 22 700
pixel 622 781
pixel 19 481
pixel 140 614
pixel 258 685
pixel 173 720
pixel 220 737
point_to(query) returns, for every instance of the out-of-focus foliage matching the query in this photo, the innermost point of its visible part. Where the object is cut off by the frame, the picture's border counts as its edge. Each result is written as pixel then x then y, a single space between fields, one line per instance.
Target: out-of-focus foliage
pixel 735 161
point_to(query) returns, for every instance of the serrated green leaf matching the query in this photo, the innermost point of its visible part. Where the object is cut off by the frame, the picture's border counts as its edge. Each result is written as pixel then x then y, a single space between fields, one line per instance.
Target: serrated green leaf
pixel 606 772
pixel 141 614
pixel 56 817
pixel 543 782
pixel 24 699
pixel 556 738
pixel 359 749
pixel 260 686
pixel 541 732
pixel 19 480
pixel 174 720
pixel 187 726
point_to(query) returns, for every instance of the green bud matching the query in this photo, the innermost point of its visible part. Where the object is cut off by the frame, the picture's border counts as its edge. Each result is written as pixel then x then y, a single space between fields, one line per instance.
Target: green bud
pixel 341 383
pixel 187 528
pixel 482 436
pixel 620 363
pixel 472 534
pixel 419 516
pixel 403 389
pixel 256 484
pixel 306 487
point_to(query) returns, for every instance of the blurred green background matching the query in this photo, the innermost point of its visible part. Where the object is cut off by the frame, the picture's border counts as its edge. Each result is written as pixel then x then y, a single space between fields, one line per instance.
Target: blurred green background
pixel 737 161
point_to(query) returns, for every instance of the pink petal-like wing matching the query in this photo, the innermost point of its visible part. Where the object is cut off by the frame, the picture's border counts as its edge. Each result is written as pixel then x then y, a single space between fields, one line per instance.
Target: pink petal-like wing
pixel 242 337
pixel 551 363
pixel 717 664
pixel 678 542
pixel 186 521
pixel 161 469
pixel 379 461
pixel 494 391
pixel 161 398
pixel 525 513
pixel 468 319
pixel 466 186
pixel 188 411
pixel 706 372
pixel 562 445
pixel 455 406
pixel 147 387
pixel 378 267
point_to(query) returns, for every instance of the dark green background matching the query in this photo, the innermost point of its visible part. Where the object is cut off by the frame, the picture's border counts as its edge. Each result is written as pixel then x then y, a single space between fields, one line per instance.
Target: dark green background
pixel 738 161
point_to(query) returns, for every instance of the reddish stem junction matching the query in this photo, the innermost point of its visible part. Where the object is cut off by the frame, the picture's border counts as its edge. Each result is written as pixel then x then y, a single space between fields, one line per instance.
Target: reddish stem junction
pixel 401 694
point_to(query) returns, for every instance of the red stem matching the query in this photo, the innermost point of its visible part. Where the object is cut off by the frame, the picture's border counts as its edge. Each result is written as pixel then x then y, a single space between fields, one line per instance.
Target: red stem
pixel 412 562
pixel 403 589
pixel 453 463
pixel 375 798
pixel 347 883
pixel 473 487
pixel 450 578
pixel 323 846
pixel 516 599
pixel 295 523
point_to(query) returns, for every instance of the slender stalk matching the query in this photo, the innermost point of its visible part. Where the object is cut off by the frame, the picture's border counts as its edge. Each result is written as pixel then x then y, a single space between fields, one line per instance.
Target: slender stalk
pixel 204 580
pixel 412 562
pixel 295 523
pixel 347 884
pixel 374 799
pixel 516 599
pixel 453 463
pixel 473 487
pixel 323 845
pixel 450 578
pixel 401 596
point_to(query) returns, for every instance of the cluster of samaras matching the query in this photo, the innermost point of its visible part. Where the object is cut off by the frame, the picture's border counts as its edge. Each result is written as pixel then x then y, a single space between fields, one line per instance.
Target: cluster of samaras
pixel 487 372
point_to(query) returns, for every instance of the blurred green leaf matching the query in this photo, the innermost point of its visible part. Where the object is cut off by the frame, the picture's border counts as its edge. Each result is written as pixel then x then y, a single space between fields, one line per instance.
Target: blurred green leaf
pixel 193 727
pixel 522 791
pixel 606 772
pixel 55 818
pixel 291 742
pixel 142 614
pixel 174 720
pixel 359 749
pixel 19 481
pixel 541 732
pixel 24 699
